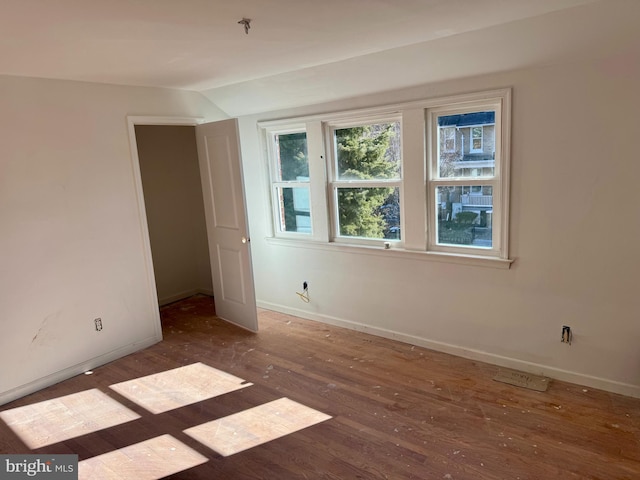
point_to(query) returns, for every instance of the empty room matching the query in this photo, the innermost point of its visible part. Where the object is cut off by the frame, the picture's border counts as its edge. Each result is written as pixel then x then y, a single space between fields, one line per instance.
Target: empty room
pixel 345 239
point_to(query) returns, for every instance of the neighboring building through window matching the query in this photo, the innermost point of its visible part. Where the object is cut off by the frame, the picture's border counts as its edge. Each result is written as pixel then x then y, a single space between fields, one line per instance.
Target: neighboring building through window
pixel 464 182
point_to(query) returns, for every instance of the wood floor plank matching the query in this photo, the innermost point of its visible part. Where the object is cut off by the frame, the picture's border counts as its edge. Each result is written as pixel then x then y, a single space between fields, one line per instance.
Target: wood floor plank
pixel 398 411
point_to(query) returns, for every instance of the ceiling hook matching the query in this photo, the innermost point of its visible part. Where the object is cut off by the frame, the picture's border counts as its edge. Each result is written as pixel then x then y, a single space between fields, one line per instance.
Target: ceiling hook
pixel 247 24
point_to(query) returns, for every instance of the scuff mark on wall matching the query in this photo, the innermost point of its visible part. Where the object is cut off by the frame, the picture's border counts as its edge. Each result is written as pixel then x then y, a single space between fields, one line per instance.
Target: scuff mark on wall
pixel 45 335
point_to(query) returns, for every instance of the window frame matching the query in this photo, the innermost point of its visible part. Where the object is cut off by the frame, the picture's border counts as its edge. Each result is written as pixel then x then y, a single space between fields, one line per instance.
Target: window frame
pixel 334 183
pixel 417 194
pixel 277 183
pixel 499 182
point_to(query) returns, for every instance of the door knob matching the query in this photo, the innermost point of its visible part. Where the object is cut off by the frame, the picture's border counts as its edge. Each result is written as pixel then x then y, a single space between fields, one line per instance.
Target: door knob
pixel 245 240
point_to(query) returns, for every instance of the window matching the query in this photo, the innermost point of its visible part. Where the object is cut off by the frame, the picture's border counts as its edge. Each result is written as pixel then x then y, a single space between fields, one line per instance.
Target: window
pixel 448 139
pixel 291 182
pixel 467 202
pixel 476 140
pixel 366 180
pixel 427 179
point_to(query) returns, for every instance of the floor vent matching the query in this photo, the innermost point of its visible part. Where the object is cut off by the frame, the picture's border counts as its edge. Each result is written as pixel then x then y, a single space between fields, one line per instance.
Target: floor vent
pixel 522 379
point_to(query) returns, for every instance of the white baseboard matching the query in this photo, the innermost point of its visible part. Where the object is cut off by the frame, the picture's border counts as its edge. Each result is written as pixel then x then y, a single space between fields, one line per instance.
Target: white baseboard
pixel 507 362
pixel 39 384
pixel 182 295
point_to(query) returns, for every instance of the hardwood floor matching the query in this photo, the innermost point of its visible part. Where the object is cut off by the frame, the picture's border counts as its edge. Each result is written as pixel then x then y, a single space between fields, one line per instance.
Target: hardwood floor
pixel 398 411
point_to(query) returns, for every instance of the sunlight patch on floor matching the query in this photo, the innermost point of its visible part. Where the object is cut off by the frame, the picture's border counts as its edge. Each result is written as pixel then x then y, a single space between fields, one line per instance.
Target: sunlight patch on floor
pixel 149 460
pixel 62 418
pixel 253 427
pixel 179 387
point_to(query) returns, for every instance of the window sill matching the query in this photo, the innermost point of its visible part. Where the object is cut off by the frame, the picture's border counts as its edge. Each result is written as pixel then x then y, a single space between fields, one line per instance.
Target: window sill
pixel 460 259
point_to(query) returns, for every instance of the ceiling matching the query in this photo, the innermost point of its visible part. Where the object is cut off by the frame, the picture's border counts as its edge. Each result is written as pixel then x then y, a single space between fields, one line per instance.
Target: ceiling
pixel 198 44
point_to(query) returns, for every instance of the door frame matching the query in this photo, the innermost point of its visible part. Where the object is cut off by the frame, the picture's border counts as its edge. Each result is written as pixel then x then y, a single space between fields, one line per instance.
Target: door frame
pixel 132 121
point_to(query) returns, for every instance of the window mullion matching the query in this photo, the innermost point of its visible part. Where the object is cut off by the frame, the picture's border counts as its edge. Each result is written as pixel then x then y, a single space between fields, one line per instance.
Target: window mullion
pixel 318 179
pixel 366 183
pixel 465 181
pixel 412 205
pixel 291 184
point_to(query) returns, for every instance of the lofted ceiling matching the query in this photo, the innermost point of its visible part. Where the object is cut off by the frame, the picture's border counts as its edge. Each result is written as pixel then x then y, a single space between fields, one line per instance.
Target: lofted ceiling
pixel 198 44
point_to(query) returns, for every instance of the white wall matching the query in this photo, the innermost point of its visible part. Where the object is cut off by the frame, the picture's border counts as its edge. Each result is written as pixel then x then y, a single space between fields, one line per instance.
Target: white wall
pixel 175 210
pixel 71 243
pixel 575 230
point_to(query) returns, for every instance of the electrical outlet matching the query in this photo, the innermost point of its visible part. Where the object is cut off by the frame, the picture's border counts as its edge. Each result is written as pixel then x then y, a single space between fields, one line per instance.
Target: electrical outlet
pixel 304 295
pixel 567 335
pixel 98 324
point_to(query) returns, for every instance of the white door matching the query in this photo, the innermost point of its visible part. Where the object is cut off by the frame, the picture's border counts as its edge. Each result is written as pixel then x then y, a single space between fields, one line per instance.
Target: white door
pixel 229 247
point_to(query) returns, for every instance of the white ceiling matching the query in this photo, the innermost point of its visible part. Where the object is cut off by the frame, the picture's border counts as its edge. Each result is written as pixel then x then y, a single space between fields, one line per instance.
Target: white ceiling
pixel 198 44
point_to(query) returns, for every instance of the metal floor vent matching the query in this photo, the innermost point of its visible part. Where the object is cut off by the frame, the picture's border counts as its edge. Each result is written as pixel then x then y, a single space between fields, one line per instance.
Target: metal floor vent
pixel 522 379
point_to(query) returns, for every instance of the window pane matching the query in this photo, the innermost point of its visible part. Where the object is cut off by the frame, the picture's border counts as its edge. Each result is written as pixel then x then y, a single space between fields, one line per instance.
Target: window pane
pixel 368 152
pixel 291 156
pixel 476 139
pixel 448 139
pixel 294 209
pixel 465 216
pixel 369 212
pixel 466 144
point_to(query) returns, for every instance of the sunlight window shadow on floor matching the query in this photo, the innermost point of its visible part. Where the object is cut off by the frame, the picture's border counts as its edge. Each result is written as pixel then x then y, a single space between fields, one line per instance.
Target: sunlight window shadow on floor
pixel 179 387
pixel 149 460
pixel 62 418
pixel 255 426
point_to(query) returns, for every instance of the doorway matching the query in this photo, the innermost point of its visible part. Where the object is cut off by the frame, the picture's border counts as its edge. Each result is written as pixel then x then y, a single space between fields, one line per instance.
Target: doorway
pixel 174 208
pixel 221 192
